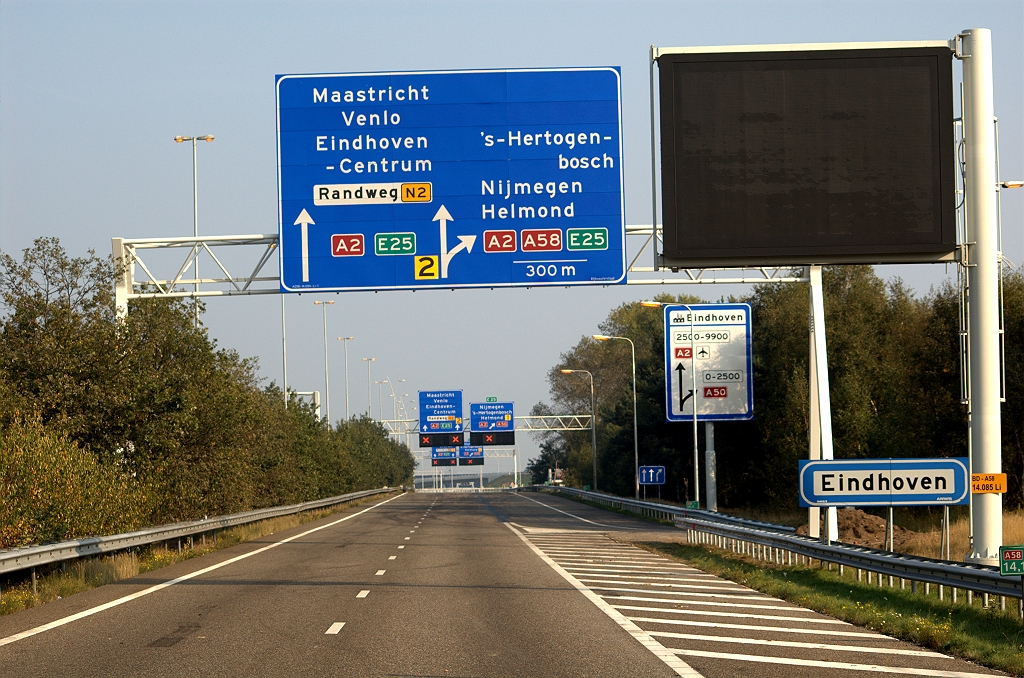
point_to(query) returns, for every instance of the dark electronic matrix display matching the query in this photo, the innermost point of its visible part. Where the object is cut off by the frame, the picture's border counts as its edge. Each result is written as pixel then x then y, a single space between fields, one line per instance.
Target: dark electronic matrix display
pixel 790 155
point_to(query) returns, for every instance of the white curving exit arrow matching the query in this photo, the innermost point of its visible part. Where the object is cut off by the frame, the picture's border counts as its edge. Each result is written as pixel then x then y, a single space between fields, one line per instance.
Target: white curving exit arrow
pixel 305 220
pixel 465 241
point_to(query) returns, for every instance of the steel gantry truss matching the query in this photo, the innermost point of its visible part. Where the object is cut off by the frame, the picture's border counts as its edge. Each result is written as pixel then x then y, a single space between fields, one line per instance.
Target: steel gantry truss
pixel 128 252
pixel 553 422
pixel 259 249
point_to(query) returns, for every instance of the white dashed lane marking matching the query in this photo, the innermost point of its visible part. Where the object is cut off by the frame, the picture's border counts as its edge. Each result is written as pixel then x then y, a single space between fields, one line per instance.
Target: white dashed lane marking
pixel 392 557
pixel 380 572
pixel 662 595
pixel 363 594
pixel 335 627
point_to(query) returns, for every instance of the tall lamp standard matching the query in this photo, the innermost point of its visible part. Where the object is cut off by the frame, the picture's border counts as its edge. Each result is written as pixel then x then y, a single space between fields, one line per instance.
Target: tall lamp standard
pixel 636 445
pixel 346 340
pixel 195 208
pixel 593 419
pixel 369 397
pixel 327 377
pixel 380 398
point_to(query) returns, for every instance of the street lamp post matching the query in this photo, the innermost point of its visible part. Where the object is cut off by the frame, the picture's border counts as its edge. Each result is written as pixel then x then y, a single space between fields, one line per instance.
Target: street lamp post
pixel 327 377
pixel 394 403
pixel 593 420
pixel 380 398
pixel 346 340
pixel 636 445
pixel 369 396
pixel 195 208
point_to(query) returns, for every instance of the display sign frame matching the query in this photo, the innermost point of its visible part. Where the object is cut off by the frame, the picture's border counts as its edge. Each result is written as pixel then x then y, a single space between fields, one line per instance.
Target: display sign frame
pixel 699 179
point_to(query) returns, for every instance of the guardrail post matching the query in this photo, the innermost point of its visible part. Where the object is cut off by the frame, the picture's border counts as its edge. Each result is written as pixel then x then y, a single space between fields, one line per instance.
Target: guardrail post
pixel 35 593
pixel 970 597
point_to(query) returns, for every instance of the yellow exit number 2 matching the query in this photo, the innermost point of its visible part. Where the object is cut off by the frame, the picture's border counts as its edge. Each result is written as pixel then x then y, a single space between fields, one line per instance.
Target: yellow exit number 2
pixel 426 268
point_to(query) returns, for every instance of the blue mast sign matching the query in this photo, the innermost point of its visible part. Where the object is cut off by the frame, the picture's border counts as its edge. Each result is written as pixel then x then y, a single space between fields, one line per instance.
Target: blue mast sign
pixel 412 180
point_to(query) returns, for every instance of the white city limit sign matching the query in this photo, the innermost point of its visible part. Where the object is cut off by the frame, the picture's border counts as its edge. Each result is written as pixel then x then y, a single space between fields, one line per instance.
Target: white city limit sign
pixel 714 339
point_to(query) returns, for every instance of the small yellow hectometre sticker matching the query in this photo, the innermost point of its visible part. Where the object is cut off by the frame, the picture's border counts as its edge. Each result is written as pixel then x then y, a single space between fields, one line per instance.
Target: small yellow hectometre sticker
pixel 988 483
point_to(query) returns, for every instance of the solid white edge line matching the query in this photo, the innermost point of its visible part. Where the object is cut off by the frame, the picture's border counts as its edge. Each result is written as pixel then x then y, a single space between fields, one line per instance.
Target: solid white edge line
pixel 939 673
pixel 335 628
pixel 660 651
pixel 153 589
pixel 614 527
pixel 796 644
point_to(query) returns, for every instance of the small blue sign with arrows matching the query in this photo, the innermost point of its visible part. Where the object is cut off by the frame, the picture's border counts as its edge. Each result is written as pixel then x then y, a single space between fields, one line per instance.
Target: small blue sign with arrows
pixel 652 475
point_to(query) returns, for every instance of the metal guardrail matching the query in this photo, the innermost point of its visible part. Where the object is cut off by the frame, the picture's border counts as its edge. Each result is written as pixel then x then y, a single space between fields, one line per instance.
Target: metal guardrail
pixel 462 490
pixel 778 542
pixel 663 511
pixel 32 556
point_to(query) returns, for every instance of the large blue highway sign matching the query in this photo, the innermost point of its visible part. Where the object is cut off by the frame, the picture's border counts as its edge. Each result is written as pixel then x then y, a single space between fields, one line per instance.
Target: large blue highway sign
pixel 652 475
pixel 714 340
pixel 491 417
pixel 440 411
pixel 884 482
pixel 450 179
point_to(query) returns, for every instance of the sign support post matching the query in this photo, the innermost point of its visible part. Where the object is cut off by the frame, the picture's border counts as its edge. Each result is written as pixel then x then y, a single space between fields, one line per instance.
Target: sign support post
pixel 710 466
pixel 983 287
pixel 823 398
pixel 814 426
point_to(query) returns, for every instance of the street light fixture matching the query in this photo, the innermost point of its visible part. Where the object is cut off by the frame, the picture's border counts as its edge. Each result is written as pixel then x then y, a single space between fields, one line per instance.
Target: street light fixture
pixel 346 340
pixel 327 378
pixel 593 419
pixel 693 378
pixel 195 209
pixel 369 397
pixel 636 444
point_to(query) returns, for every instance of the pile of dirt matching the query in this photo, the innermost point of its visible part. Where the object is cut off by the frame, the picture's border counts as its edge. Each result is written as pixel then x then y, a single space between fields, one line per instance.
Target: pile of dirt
pixel 864 529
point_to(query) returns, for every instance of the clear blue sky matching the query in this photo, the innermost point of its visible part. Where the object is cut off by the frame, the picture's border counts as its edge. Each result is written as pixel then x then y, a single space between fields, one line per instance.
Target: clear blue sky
pixel 91 95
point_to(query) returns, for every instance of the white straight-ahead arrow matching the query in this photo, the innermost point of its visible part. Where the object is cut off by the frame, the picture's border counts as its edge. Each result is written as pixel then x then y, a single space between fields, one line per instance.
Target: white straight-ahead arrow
pixel 305 220
pixel 465 241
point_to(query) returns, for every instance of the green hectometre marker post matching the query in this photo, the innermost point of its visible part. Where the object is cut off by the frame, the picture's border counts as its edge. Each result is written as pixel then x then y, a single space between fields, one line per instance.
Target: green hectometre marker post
pixel 1011 564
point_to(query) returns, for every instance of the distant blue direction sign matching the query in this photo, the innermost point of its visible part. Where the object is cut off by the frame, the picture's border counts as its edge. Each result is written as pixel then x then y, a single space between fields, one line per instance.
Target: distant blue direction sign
pixel 491 416
pixel 444 452
pixel 441 411
pixel 652 475
pixel 481 178
pixel 884 482
pixel 470 452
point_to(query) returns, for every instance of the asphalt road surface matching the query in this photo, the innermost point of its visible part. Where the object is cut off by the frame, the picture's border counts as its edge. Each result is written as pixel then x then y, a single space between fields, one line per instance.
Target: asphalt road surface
pixel 446 585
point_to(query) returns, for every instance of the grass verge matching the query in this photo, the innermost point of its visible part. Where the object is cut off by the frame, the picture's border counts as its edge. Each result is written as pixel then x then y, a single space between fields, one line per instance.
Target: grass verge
pixel 80 575
pixel 985 636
